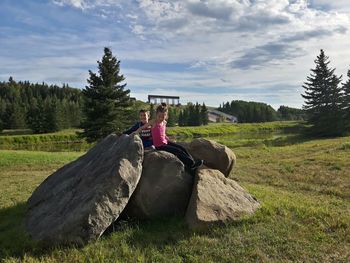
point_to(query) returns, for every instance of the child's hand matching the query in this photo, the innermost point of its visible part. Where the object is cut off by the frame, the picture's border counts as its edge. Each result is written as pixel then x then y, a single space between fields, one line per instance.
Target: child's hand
pixel 136 132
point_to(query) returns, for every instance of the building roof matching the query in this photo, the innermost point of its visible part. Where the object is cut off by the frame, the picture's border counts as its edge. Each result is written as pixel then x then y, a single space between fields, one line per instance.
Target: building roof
pixel 162 97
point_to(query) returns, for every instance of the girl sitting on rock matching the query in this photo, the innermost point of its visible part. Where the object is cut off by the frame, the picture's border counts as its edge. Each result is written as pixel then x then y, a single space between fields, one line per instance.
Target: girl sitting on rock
pixel 162 142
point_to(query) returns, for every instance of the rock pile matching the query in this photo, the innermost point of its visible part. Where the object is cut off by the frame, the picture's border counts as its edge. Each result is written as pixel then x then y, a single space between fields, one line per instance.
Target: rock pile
pixel 79 201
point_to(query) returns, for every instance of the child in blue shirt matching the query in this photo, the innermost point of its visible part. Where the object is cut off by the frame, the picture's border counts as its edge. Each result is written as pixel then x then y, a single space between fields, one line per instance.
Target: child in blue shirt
pixel 145 134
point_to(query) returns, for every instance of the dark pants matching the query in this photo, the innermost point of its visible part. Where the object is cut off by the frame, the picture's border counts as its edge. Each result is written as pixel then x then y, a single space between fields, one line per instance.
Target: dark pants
pixel 179 151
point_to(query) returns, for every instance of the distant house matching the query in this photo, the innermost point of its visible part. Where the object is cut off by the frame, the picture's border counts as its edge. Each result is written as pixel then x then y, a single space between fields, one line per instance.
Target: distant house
pixel 171 100
pixel 232 118
pixel 212 117
pixel 215 115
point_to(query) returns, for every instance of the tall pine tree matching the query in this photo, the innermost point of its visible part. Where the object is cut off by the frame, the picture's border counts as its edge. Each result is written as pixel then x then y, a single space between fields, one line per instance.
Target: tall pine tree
pixel 323 98
pixel 105 100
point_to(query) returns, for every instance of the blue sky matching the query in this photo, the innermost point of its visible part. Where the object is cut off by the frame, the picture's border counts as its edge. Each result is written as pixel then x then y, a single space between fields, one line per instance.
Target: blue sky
pixel 201 50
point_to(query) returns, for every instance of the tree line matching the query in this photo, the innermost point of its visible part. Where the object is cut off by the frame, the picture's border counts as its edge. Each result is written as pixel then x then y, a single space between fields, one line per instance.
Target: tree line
pixel 249 111
pixel 194 115
pixel 40 107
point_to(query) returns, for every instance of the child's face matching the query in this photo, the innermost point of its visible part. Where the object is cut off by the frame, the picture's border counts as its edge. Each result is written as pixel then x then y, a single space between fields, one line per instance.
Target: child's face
pixel 161 116
pixel 144 117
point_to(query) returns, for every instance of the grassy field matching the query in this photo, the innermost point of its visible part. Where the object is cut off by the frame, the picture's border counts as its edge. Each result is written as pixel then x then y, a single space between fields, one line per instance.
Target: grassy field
pixel 65 140
pixel 304 189
pixel 215 129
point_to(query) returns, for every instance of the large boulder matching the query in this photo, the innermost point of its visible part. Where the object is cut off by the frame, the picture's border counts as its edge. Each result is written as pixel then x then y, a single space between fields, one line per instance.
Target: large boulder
pixel 80 200
pixel 164 188
pixel 215 155
pixel 217 200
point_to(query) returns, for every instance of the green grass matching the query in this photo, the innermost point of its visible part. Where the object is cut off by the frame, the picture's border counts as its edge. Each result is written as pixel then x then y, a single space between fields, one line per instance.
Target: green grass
pixel 305 214
pixel 216 129
pixel 66 140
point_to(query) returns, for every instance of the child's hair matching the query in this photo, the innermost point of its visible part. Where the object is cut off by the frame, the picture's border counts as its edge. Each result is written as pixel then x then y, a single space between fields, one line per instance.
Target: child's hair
pixel 163 108
pixel 143 111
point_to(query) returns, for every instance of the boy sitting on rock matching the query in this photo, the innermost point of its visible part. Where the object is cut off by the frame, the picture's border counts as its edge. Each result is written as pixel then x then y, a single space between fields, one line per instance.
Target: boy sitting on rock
pixel 145 133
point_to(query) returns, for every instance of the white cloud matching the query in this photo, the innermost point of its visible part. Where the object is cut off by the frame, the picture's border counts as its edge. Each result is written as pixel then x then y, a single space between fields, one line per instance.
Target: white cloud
pixel 88 4
pixel 76 3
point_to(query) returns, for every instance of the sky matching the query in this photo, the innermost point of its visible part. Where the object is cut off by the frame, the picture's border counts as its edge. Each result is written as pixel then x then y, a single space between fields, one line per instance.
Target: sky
pixel 209 51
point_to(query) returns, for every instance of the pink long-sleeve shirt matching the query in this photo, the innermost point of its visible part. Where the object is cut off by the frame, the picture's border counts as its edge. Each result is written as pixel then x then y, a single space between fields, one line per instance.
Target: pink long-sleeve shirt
pixel 158 134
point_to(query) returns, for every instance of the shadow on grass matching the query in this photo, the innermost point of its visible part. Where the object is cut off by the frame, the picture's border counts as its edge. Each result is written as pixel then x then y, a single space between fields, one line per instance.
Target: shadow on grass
pixel 158 233
pixel 169 231
pixel 13 239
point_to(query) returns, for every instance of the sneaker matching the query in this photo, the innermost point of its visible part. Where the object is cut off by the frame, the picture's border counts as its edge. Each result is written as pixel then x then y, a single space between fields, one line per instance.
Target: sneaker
pixel 197 163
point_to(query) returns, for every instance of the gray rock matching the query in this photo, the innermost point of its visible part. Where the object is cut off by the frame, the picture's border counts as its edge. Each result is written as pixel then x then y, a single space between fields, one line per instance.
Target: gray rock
pixel 217 200
pixel 164 188
pixel 215 155
pixel 80 200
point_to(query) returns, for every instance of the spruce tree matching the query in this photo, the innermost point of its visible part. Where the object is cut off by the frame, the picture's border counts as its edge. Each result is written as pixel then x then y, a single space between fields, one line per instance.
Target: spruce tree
pixel 51 115
pixel 184 117
pixel 191 117
pixel 323 98
pixel 204 115
pixel 197 115
pixel 171 117
pixel 17 118
pixel 346 102
pixel 181 118
pixel 36 116
pixel 105 100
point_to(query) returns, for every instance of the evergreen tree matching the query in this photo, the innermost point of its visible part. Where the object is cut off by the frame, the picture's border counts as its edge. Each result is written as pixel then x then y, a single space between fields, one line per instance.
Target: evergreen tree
pixel 51 116
pixel 105 100
pixel 17 117
pixel 197 115
pixel 35 116
pixel 62 110
pixel 184 117
pixel 171 122
pixel 346 102
pixel 204 115
pixel 181 118
pixel 287 113
pixel 323 98
pixel 191 116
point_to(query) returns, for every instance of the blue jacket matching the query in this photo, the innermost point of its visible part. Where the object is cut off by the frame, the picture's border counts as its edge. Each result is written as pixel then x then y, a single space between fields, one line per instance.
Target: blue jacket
pixel 145 134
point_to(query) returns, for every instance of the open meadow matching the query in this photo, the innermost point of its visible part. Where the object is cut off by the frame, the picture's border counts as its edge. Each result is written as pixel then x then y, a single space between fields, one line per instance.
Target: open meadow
pixel 303 186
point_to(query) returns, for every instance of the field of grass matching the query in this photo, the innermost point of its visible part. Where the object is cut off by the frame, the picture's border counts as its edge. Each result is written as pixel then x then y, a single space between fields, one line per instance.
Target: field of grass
pixel 67 140
pixel 215 129
pixel 304 189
